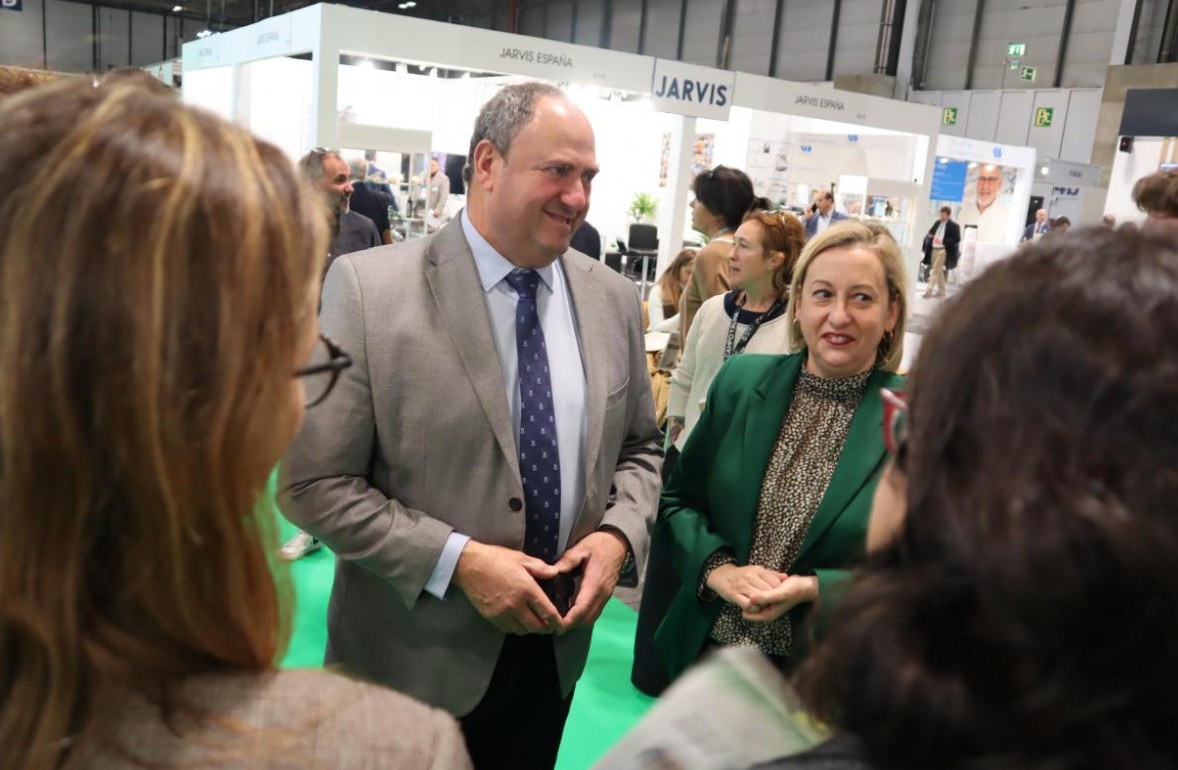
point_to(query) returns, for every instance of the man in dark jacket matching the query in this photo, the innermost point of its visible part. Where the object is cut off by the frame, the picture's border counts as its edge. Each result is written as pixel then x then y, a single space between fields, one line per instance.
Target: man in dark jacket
pixel 941 249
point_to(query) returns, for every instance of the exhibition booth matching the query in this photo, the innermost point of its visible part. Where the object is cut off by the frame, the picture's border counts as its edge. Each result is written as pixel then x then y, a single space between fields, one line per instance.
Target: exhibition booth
pixel 1068 189
pixel 399 90
pixel 988 187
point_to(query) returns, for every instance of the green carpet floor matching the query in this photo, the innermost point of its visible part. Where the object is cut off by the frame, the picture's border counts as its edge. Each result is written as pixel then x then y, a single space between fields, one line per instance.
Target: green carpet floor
pixel 606 705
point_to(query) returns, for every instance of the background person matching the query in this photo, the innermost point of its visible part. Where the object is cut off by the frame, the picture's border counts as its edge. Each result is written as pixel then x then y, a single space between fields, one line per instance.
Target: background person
pixel 1041 226
pixel 722 197
pixel 433 472
pixel 941 249
pixel 1157 196
pixel 1028 501
pixel 750 318
pixel 151 342
pixel 663 300
pixel 768 505
pixel 437 187
pixel 368 202
pixel 822 214
pixel 587 241
pixel 330 176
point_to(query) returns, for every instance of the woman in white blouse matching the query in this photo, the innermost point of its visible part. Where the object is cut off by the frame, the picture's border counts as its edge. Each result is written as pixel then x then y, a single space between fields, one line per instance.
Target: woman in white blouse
pixel 749 318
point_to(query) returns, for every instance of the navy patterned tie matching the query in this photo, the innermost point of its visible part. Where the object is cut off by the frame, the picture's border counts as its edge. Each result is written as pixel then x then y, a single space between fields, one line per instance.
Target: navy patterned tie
pixel 539 461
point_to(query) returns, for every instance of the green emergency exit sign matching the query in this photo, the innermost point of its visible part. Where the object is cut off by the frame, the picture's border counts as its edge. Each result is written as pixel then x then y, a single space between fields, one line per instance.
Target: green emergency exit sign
pixel 1016 49
pixel 1043 117
pixel 949 116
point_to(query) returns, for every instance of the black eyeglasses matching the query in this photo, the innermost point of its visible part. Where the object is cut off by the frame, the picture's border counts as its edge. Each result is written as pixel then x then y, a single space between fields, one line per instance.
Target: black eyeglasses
pixel 320 375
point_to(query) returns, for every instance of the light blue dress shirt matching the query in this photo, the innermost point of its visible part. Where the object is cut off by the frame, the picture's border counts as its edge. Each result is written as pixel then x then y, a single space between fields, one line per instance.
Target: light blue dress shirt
pixel 555 307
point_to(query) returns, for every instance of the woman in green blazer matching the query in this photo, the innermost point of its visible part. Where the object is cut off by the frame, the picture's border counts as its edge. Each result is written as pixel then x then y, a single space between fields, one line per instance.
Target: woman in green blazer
pixel 768 506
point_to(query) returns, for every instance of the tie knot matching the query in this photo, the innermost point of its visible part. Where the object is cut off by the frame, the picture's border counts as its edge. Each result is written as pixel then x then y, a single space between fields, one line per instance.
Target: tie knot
pixel 524 282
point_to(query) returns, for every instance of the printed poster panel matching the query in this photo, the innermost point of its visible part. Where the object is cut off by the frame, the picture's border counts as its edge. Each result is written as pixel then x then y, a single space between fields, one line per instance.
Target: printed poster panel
pixel 767 165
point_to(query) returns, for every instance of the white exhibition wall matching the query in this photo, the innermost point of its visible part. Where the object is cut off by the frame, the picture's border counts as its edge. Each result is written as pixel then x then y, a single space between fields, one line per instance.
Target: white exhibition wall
pixel 1128 167
pixel 274 101
pixel 1010 117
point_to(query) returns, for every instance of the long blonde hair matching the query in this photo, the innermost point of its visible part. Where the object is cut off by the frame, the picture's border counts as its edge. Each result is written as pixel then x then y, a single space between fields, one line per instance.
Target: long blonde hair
pixel 879 242
pixel 669 283
pixel 158 268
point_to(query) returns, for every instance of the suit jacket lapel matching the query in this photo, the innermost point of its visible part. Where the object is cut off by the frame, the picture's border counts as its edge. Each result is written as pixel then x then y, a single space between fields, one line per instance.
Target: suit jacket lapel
pixel 861 453
pixel 590 312
pixel 454 281
pixel 766 411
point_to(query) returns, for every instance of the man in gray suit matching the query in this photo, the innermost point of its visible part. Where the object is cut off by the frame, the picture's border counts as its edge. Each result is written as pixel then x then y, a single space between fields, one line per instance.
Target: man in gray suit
pixel 492 456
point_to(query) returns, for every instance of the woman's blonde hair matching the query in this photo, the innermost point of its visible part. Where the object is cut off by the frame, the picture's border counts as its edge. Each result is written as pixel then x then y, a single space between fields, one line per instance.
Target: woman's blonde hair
pixel 158 272
pixel 848 234
pixel 669 282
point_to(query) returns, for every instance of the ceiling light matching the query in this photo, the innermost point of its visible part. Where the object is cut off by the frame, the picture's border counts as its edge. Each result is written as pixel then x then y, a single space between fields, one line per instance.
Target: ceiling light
pixel 177 8
pixel 203 33
pixel 366 64
pixel 410 4
pixel 1043 170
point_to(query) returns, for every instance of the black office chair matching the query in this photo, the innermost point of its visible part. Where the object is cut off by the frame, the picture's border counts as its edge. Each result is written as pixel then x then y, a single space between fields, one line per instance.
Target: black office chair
pixel 644 238
pixel 642 251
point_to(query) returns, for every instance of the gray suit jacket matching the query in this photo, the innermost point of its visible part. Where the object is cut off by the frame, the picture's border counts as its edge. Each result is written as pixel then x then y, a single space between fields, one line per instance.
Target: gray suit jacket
pixel 276 721
pixel 417 441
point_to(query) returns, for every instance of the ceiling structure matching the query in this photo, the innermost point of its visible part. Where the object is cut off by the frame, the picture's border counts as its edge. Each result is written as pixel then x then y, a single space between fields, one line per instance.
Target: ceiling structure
pixel 229 14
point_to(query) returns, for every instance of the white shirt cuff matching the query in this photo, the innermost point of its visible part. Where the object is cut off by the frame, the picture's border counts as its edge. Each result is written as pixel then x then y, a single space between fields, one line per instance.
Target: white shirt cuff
pixel 439 579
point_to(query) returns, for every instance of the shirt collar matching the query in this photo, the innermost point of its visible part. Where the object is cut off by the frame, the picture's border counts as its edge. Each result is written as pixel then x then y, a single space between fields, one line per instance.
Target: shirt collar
pixel 493 267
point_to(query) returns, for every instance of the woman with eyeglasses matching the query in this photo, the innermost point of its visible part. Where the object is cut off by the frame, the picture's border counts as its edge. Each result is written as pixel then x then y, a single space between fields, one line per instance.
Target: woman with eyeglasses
pixel 722 197
pixel 154 346
pixel 1018 608
pixel 768 505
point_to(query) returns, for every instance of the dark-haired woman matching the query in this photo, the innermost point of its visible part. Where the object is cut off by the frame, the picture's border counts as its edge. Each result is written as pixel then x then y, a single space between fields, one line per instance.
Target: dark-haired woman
pixel 722 197
pixel 1018 612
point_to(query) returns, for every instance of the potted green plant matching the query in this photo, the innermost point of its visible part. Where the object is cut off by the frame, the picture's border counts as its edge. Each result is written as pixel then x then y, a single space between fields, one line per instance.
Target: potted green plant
pixel 643 209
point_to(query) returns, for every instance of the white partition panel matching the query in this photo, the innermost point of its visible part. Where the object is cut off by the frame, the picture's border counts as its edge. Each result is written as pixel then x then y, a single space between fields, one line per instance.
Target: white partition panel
pixel 1014 118
pixel 984 107
pixel 958 100
pixel 1048 116
pixel 1079 131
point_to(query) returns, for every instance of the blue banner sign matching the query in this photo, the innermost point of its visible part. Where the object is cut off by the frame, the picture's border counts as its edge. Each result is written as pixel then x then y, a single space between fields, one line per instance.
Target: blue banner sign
pixel 948 180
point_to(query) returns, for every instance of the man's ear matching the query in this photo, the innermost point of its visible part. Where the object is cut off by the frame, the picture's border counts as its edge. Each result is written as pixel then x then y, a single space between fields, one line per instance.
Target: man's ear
pixel 485 157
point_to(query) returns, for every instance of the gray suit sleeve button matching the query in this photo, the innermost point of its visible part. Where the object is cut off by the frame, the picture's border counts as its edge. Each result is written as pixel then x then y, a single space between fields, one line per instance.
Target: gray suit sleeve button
pixel 515 504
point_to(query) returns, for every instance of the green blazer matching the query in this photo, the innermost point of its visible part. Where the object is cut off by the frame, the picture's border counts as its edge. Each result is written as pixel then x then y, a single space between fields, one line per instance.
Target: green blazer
pixel 710 501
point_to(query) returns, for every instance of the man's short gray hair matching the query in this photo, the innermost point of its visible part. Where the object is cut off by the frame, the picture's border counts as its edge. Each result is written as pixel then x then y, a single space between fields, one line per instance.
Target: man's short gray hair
pixel 502 117
pixel 359 168
pixel 311 165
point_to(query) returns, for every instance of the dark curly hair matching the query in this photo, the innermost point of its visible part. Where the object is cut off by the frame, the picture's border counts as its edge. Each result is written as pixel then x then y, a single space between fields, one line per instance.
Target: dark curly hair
pixel 1158 192
pixel 727 193
pixel 1024 618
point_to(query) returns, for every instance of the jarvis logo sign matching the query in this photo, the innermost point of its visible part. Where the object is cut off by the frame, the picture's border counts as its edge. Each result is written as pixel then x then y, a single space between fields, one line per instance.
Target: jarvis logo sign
pixel 690 90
